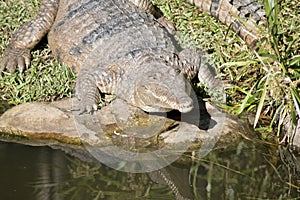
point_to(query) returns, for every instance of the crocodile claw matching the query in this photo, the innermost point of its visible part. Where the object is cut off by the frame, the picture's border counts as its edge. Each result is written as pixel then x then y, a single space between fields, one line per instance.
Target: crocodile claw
pixel 14 58
pixel 88 108
pixel 85 103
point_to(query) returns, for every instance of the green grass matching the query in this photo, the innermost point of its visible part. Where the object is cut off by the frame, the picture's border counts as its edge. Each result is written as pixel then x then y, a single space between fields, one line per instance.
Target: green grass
pixel 265 82
pixel 46 79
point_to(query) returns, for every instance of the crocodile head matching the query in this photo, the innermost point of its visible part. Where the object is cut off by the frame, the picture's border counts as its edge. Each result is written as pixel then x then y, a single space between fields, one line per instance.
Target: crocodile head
pixel 156 97
pixel 161 88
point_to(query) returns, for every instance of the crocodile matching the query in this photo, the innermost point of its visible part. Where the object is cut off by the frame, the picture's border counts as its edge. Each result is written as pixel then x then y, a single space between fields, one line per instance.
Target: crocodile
pixel 242 16
pixel 120 47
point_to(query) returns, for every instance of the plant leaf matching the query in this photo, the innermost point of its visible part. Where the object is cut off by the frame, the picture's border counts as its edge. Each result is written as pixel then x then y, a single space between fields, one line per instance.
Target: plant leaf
pixel 261 102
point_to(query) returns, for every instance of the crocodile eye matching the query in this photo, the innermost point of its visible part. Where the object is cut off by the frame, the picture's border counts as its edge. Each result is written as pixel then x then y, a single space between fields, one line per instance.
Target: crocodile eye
pixel 155 76
pixel 178 71
pixel 173 71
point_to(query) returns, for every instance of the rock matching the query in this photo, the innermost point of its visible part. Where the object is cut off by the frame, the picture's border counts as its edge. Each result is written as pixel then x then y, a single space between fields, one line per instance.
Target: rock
pixel 122 133
pixel 41 121
pixel 56 121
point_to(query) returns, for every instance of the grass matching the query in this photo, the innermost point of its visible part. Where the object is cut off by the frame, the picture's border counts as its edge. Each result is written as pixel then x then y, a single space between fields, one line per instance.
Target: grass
pixel 46 79
pixel 264 82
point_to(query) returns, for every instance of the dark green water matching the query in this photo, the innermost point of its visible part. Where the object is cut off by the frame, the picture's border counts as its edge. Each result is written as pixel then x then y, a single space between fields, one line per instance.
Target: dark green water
pixel 245 171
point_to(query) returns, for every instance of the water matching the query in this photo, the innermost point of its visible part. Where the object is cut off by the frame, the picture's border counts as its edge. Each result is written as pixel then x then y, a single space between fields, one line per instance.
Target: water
pixel 31 172
pixel 244 171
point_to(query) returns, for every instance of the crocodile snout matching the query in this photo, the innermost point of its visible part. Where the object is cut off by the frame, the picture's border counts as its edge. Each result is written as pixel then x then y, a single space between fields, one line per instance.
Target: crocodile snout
pixel 185 104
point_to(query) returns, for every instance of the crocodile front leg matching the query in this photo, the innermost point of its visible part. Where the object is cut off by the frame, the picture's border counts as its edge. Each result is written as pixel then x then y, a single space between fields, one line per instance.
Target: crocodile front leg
pixel 86 92
pixel 194 64
pixel 90 82
pixel 27 36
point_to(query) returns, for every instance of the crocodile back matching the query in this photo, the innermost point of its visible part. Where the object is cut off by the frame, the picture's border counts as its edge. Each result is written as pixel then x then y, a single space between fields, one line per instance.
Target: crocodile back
pixel 100 32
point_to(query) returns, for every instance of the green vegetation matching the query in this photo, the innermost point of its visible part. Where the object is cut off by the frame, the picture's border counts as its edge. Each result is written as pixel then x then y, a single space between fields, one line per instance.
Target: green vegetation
pixel 264 82
pixel 46 79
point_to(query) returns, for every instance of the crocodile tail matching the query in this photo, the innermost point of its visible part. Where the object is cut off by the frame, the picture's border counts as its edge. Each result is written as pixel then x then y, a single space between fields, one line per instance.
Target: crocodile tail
pixel 242 16
pixel 177 179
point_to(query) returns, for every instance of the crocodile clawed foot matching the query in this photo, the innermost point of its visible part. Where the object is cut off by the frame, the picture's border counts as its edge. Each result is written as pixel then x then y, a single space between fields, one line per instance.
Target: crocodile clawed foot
pixel 90 108
pixel 14 58
pixel 84 107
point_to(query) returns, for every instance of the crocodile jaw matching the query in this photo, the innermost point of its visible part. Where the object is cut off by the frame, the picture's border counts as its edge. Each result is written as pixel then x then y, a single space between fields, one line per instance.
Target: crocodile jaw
pixel 158 98
pixel 154 85
pixel 185 104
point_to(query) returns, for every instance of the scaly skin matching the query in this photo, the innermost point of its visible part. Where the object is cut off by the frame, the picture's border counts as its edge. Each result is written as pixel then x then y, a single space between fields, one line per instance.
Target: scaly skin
pixel 17 53
pixel 154 86
pixel 177 179
pixel 251 12
pixel 117 48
